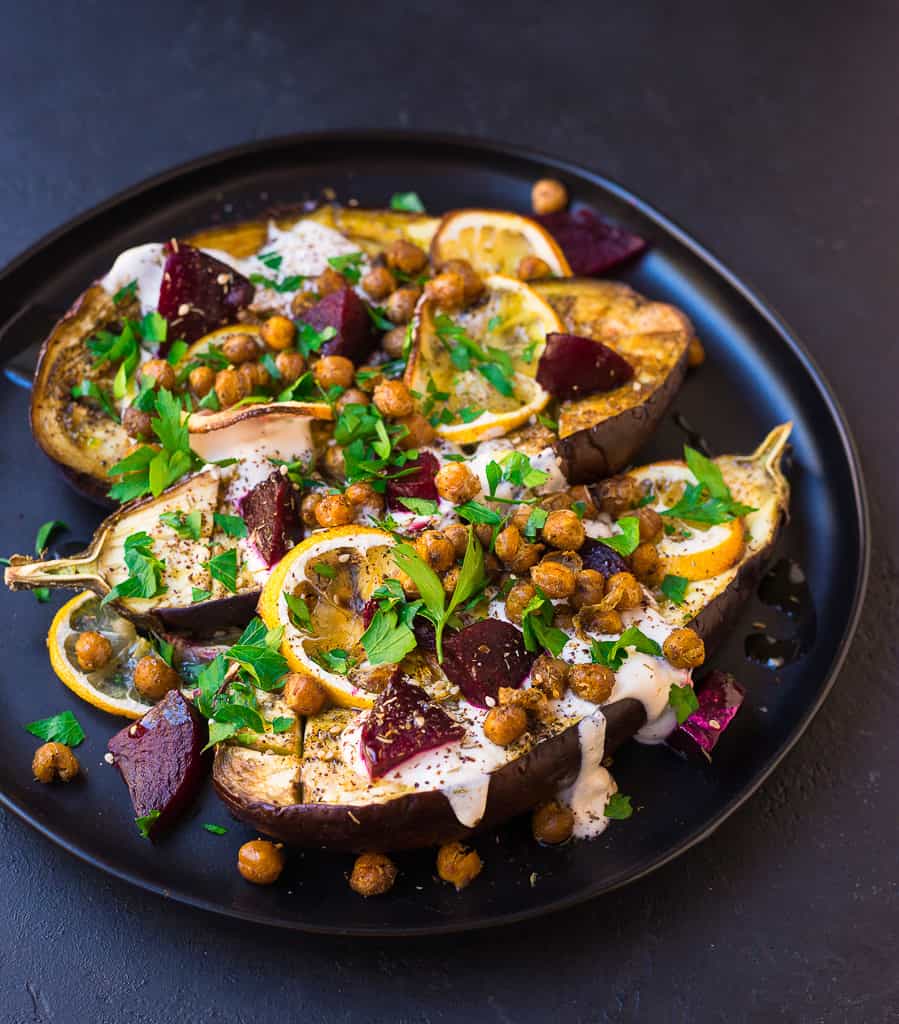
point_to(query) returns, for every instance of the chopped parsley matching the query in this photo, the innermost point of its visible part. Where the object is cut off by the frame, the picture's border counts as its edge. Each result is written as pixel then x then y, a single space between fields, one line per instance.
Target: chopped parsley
pixel 537 626
pixel 349 266
pixel 187 525
pixel 407 202
pixel 61 728
pixel 282 724
pixel 336 660
pixel 493 364
pixel 145 823
pixel 45 532
pixel 223 567
pixel 145 570
pixel 709 500
pixel 231 526
pixel 535 523
pixel 675 588
pixel 298 611
pixel 683 700
pixel 420 506
pixel 619 807
pixel 216 830
pixel 626 542
pixel 612 653
pixel 197 594
pixel 323 569
pixel 127 291
pixel 91 389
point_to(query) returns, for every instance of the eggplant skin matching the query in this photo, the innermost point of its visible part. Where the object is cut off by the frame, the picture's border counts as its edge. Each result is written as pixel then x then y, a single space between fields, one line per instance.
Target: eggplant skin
pixel 417 820
pixel 207 617
pixel 599 451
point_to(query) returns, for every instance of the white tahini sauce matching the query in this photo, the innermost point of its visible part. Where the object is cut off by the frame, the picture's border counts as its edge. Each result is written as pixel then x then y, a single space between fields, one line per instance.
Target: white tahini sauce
pixel 143 264
pixel 588 795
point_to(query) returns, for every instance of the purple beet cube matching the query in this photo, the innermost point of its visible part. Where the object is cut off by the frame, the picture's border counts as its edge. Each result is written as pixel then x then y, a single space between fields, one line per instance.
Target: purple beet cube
pixel 346 313
pixel 484 656
pixel 404 722
pixel 572 366
pixel 591 246
pixel 720 698
pixel 419 484
pixel 602 558
pixel 271 511
pixel 200 293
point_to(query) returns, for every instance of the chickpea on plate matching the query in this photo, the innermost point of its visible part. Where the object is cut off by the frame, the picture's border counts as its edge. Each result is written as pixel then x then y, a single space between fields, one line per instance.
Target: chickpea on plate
pixel 382 556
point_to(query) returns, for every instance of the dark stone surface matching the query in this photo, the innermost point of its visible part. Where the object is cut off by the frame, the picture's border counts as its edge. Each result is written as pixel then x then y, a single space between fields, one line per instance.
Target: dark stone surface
pixel 771 135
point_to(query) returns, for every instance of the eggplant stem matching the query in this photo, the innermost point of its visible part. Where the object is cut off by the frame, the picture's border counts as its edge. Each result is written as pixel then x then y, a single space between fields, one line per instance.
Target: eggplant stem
pixel 24 573
pixel 771 450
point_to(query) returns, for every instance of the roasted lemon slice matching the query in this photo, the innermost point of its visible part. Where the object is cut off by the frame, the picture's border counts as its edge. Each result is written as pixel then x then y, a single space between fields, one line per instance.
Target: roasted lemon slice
pixel 474 371
pixel 317 593
pixel 495 242
pixel 693 551
pixel 110 688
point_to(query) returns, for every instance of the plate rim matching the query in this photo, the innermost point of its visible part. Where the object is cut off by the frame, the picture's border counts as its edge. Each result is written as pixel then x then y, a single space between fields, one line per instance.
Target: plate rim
pixel 747 292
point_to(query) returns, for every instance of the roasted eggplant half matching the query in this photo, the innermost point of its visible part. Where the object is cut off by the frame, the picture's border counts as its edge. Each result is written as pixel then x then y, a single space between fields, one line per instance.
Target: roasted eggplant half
pixel 599 433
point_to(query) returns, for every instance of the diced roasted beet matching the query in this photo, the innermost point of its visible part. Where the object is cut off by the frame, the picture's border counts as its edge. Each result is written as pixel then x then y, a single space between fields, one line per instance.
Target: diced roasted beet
pixel 484 656
pixel 720 698
pixel 160 759
pixel 591 246
pixel 403 722
pixel 596 555
pixel 426 634
pixel 419 484
pixel 200 293
pixel 272 514
pixel 572 366
pixel 368 611
pixel 346 313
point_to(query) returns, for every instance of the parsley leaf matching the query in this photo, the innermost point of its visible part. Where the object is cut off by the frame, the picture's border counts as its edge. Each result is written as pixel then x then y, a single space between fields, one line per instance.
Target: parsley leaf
pixel 626 542
pixel 349 266
pixel 407 202
pixel 197 594
pixel 45 532
pixel 421 506
pixel 537 627
pixel 619 807
pixel 223 567
pixel 536 521
pixel 709 500
pixel 683 700
pixel 323 569
pixel 475 512
pixel 298 611
pixel 231 526
pixel 387 640
pixel 675 588
pixel 144 568
pixel 336 660
pixel 127 291
pixel 185 525
pixel 216 830
pixel 91 389
pixel 612 653
pixel 282 724
pixel 61 728
pixel 145 823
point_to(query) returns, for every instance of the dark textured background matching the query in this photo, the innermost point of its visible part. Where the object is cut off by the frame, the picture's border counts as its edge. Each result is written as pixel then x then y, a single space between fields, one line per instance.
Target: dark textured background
pixel 772 137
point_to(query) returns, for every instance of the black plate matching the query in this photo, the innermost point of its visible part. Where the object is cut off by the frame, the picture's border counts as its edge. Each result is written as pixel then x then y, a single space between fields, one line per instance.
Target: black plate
pixel 757 375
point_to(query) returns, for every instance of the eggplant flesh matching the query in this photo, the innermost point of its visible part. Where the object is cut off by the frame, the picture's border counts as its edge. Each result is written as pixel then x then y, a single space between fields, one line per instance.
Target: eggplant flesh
pixel 599 433
pixel 102 565
pixel 266 791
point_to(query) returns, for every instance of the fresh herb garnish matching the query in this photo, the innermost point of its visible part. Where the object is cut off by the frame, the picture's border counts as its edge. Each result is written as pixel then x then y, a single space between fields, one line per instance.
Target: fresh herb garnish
pixel 494 364
pixel 91 389
pixel 216 830
pixel 336 660
pixel 683 700
pixel 348 266
pixel 388 638
pixel 323 569
pixel 709 500
pixel 619 807
pixel 223 567
pixel 231 526
pixel 187 525
pixel 127 291
pixel 145 823
pixel 61 728
pixel 41 594
pixel 475 512
pixel 257 652
pixel 407 202
pixel 537 626
pixel 420 506
pixel 45 532
pixel 287 284
pixel 145 570
pixel 612 653
pixel 282 724
pixel 626 542
pixel 548 422
pixel 535 523
pixel 675 588
pixel 197 594
pixel 379 317
pixel 298 611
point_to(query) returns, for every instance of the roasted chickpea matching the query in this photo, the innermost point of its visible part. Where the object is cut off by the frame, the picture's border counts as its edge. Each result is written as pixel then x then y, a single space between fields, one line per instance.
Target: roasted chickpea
pixel 622 592
pixel 335 510
pixel 458 864
pixel 447 290
pixel 54 762
pixel 564 530
pixel 378 283
pixel 456 483
pixel 240 348
pixel 550 676
pixel 532 268
pixel 564 617
pixel 505 724
pixel 410 587
pixel 520 517
pixel 532 701
pixel 589 587
pixel 393 399
pixel 137 423
pixel 400 305
pixel 229 388
pixel 526 557
pixel 333 463
pixel 581 493
pixel 260 861
pixel 302 302
pixel 617 495
pixel 651 525
pixel 684 648
pixel 518 598
pixel 394 342
pixel 365 496
pixel 278 332
pixel 508 542
pixel 458 535
pixel 450 579
pixel 645 562
pixel 591 682
pixel 548 196
pixel 695 353
pixel 153 678
pixel 373 874
pixel 308 506
pixel 406 257
pixel 304 694
pixel 290 365
pixel 333 370
pixel 484 533
pixel 419 432
pixel 552 823
pixel 201 380
pixel 368 378
pixel 92 650
pixel 329 281
pixel 160 372
pixel 472 285
pixel 253 377
pixel 554 579
pixel 352 396
pixel 593 619
pixel 492 566
pixel 435 549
